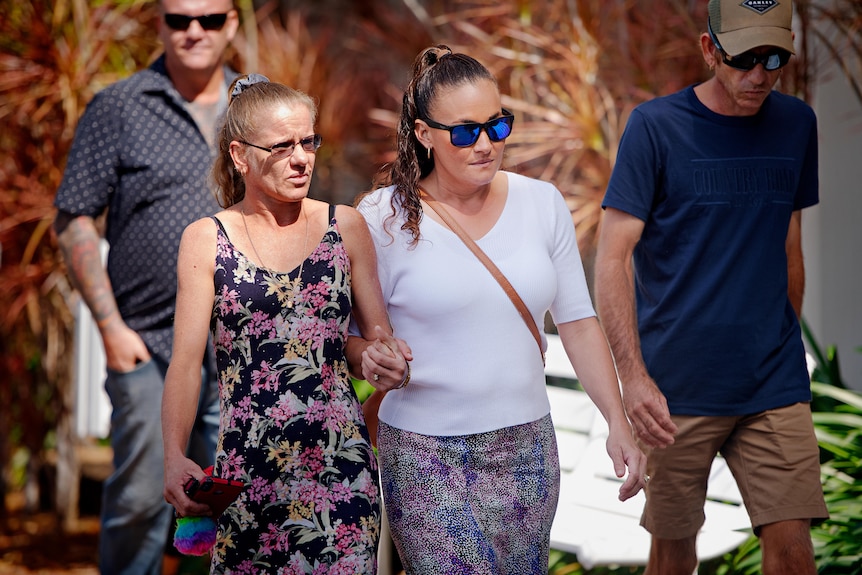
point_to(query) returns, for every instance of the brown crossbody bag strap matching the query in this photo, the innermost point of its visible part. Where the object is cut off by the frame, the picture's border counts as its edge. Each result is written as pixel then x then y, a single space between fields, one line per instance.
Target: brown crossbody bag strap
pixel 495 271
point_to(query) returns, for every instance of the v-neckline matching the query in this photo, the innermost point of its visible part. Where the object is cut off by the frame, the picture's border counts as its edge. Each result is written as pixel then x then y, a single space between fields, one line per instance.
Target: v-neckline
pixel 488 232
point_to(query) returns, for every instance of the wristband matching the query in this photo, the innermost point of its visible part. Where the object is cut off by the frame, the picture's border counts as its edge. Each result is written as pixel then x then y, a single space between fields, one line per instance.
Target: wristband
pixel 406 379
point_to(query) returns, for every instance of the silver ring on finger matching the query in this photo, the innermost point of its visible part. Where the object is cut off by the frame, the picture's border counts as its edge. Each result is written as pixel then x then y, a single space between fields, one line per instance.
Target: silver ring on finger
pixel 376 377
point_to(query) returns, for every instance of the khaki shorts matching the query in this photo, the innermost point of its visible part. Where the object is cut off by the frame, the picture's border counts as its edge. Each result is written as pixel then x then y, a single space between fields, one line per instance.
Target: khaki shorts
pixel 773 455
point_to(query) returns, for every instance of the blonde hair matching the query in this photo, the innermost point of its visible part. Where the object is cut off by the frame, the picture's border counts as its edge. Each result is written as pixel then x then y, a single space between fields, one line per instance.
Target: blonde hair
pixel 250 105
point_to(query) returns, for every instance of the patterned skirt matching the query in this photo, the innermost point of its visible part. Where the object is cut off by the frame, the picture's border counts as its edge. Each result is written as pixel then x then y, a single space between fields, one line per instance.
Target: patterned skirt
pixel 477 504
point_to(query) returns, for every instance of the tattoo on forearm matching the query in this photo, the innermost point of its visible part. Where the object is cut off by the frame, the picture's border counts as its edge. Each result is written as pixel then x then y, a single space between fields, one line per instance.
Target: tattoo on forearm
pixel 79 243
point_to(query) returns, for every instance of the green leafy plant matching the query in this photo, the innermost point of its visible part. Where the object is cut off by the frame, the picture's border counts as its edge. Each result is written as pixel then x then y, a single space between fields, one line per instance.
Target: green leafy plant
pixel 838 540
pixel 362 388
pixel 837 413
pixel 826 367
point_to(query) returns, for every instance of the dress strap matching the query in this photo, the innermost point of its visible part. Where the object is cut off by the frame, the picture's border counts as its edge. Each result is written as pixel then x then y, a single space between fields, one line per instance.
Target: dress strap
pixel 221 226
pixel 331 212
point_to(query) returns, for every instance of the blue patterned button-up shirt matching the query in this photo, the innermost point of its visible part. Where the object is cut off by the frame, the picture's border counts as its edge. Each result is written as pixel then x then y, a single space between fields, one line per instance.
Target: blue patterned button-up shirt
pixel 139 154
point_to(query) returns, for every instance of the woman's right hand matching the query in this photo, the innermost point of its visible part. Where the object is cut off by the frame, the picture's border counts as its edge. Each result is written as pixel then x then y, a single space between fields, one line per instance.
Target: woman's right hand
pixel 177 473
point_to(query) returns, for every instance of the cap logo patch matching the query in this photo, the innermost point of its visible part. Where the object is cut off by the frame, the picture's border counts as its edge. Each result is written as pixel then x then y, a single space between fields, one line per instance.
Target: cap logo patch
pixel 760 6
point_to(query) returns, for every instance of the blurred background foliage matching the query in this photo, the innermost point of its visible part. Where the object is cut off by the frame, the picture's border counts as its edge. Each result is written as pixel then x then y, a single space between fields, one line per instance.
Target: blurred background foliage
pixel 571 70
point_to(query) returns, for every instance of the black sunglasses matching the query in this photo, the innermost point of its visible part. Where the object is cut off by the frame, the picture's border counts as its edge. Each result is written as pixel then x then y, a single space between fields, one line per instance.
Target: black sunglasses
pixel 207 21
pixel 772 60
pixel 465 135
pixel 285 149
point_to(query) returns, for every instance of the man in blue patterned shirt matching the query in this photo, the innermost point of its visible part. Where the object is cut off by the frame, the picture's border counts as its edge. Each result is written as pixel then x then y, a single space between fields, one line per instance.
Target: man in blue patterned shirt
pixel 141 155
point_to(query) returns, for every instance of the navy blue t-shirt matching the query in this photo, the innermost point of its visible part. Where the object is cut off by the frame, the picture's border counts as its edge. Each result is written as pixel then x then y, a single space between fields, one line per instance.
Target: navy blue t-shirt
pixel 139 154
pixel 716 193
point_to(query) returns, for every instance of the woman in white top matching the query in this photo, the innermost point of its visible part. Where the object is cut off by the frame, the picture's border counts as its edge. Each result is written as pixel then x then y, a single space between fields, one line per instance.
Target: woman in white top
pixel 468 456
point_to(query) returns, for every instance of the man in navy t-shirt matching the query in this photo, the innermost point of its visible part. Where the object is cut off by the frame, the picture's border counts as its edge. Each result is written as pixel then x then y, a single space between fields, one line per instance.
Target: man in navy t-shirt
pixel 699 282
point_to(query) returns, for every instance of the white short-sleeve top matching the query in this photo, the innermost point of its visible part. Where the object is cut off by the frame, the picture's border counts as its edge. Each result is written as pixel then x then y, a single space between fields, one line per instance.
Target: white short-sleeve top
pixel 476 365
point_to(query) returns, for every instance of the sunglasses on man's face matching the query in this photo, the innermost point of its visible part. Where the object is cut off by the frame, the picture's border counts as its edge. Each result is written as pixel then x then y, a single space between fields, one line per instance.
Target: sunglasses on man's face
pixel 771 60
pixel 207 21
pixel 465 135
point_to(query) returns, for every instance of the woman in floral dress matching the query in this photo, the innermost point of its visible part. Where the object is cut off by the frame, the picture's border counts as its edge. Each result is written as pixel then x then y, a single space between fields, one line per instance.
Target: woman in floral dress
pixel 274 279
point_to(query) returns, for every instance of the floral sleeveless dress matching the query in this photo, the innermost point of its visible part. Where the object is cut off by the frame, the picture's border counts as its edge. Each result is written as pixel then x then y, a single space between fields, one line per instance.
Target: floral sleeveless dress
pixel 291 425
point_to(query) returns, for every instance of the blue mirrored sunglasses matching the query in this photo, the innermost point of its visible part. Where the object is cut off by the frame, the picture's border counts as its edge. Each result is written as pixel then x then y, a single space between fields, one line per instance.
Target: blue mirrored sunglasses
pixel 465 135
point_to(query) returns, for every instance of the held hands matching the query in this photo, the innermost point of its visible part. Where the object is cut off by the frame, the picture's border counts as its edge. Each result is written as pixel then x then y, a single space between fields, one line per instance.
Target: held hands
pixel 647 409
pixel 385 361
pixel 177 473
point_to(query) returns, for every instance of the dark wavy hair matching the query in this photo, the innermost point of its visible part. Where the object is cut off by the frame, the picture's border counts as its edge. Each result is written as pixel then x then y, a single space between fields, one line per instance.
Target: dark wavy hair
pixel 247 108
pixel 436 68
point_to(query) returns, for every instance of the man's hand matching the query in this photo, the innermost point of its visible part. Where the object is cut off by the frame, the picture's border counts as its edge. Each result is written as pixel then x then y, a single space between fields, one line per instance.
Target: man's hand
pixel 124 348
pixel 646 408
